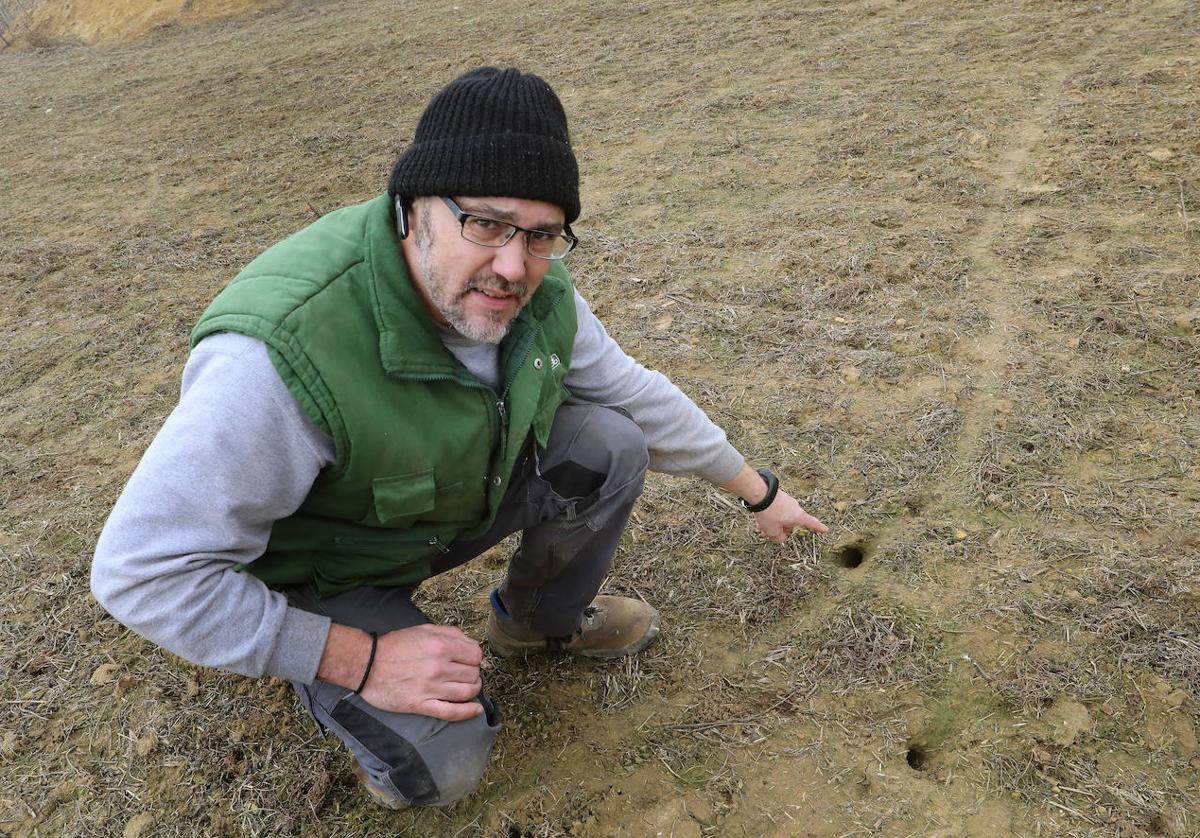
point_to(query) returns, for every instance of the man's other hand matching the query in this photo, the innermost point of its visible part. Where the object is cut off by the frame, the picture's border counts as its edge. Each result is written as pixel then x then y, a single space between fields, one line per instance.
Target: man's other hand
pixel 432 670
pixel 427 669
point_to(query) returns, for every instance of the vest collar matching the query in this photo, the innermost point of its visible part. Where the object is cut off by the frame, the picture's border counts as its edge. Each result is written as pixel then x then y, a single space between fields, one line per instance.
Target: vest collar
pixel 408 343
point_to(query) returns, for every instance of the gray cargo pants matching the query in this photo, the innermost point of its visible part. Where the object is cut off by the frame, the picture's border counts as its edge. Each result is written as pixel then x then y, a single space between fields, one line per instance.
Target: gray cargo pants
pixel 571 502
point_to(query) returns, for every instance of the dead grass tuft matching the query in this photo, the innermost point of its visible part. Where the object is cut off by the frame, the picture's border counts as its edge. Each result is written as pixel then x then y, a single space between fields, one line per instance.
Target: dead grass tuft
pixel 1143 610
pixel 1117 799
pixel 868 643
pixel 1031 681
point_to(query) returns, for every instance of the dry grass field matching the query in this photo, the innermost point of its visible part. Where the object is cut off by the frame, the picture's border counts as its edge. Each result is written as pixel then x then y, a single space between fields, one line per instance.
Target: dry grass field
pixel 938 263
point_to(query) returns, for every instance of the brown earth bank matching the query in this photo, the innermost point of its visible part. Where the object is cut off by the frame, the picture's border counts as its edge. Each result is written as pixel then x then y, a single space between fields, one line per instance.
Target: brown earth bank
pixel 936 263
pixel 48 22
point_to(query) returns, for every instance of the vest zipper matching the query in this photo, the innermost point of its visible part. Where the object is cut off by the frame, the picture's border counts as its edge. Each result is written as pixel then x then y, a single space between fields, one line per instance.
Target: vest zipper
pixel 525 357
pixel 501 407
pixel 501 403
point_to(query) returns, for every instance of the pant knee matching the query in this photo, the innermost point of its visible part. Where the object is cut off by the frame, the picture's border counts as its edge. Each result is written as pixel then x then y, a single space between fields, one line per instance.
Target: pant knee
pixel 434 766
pixel 612 431
pixel 628 433
pixel 458 767
pixel 596 453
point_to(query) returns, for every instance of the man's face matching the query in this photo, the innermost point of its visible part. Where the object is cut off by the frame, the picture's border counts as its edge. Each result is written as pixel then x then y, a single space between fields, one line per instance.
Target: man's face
pixel 476 290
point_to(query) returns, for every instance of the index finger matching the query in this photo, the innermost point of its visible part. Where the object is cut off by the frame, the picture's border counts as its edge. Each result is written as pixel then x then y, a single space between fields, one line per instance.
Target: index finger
pixel 812 524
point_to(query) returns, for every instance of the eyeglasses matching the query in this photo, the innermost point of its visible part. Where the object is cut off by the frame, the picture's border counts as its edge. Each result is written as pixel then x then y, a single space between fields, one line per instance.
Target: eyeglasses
pixel 489 232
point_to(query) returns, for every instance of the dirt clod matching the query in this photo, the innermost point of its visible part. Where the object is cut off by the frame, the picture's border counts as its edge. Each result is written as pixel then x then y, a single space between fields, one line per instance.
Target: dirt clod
pixel 146 743
pixel 105 673
pixel 1069 719
pixel 137 825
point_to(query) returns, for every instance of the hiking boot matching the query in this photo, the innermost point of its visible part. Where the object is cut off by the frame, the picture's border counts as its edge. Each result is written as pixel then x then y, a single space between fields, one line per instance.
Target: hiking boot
pixel 384 800
pixel 611 627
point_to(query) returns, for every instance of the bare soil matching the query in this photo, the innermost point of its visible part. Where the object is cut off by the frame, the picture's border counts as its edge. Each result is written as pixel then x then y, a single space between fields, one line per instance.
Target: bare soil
pixel 937 263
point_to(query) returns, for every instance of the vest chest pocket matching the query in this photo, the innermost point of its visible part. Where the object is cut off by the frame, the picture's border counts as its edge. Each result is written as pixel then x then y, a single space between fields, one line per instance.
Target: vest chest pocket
pixel 399 501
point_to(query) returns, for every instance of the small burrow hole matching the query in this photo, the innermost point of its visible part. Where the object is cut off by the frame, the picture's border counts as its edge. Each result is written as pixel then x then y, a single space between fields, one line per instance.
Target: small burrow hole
pixel 1028 447
pixel 917 756
pixel 850 555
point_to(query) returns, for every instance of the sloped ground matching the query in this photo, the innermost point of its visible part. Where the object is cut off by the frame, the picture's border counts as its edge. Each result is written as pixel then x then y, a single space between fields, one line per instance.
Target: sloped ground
pixel 937 264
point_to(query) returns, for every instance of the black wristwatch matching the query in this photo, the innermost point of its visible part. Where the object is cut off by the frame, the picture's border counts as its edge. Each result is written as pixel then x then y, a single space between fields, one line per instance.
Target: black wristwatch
pixel 772 490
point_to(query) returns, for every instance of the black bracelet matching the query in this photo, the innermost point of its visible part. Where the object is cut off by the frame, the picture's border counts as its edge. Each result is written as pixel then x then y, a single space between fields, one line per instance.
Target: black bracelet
pixel 772 490
pixel 370 662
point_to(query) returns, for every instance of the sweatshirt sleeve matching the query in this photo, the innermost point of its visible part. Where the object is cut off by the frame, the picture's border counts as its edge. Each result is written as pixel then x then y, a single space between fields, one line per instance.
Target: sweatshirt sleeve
pixel 235 455
pixel 680 436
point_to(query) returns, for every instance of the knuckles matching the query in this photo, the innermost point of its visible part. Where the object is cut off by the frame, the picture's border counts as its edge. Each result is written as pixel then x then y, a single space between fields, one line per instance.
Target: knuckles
pixel 461 649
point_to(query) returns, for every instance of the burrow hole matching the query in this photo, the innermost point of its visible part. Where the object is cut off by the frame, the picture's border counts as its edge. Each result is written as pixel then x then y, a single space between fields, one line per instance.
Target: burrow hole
pixel 851 555
pixel 918 756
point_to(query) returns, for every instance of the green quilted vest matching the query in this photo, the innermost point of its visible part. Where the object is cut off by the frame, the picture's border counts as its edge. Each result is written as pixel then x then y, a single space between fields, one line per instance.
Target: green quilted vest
pixel 424 449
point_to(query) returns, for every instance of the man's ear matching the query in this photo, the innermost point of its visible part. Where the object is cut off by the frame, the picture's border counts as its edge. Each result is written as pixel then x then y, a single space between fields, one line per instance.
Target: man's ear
pixel 402 216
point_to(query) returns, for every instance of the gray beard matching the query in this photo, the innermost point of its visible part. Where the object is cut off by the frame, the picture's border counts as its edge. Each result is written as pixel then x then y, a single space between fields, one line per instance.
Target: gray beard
pixel 486 329
pixel 491 332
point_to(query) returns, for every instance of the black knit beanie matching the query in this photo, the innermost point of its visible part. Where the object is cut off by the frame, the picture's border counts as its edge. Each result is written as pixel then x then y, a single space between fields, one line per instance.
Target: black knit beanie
pixel 492 132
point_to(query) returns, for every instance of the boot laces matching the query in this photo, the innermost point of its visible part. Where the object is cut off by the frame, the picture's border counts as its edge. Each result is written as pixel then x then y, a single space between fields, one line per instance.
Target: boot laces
pixel 594 616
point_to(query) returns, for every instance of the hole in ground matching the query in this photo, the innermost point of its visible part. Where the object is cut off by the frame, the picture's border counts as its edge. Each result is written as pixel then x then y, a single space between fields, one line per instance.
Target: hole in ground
pixel 918 757
pixel 851 555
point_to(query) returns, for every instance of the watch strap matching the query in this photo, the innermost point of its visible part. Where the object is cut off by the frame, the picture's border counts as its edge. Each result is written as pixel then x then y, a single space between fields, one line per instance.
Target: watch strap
pixel 769 498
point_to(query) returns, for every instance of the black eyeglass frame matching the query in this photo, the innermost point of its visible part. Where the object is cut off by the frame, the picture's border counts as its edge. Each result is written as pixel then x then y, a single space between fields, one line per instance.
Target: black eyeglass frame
pixel 462 217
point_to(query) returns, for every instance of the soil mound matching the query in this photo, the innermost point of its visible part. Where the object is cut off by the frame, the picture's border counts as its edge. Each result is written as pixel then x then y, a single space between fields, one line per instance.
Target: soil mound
pixel 100 21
